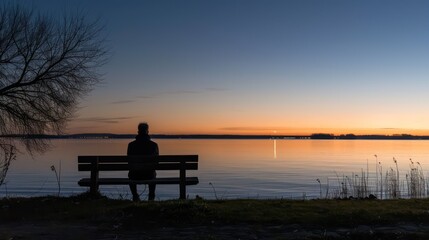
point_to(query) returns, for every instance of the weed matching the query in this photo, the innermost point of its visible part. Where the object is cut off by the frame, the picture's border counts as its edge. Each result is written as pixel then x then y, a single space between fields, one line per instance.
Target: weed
pixel 320 186
pixel 58 176
pixel 214 190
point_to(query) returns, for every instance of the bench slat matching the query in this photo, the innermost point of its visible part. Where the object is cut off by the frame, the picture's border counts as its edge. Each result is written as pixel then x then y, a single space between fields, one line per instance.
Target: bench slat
pixel 137 166
pixel 124 158
pixel 86 182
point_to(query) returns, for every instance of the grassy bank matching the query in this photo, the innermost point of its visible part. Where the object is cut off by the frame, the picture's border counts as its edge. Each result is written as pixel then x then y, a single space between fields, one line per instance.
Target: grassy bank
pixel 81 217
pixel 107 212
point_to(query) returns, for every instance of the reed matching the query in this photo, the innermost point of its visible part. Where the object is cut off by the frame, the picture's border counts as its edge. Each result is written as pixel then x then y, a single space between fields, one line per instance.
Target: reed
pixel 378 178
pixel 359 185
pixel 380 167
pixel 214 190
pixel 327 188
pixel 415 181
pixel 356 186
pixel 392 184
pixel 58 177
pixel 378 185
pixel 344 190
pixel 320 187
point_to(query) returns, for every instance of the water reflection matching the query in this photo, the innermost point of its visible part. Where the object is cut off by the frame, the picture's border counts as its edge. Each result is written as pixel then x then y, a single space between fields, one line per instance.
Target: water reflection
pixel 236 168
pixel 275 149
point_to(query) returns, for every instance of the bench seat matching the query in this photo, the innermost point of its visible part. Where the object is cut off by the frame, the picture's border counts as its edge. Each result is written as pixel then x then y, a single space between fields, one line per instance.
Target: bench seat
pixel 86 182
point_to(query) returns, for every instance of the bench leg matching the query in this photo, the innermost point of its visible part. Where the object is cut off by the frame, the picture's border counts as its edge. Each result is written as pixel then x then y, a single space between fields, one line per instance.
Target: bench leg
pixel 182 191
pixel 93 188
pixel 182 183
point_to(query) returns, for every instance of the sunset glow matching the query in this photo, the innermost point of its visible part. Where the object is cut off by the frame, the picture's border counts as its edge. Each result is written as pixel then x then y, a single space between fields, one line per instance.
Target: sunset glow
pixel 284 68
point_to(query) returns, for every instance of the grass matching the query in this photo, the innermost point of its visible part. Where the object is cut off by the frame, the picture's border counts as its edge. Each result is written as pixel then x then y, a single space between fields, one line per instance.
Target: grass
pixel 105 212
pixel 82 217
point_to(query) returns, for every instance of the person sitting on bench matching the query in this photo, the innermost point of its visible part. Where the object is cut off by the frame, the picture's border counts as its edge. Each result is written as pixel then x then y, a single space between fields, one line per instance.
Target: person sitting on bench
pixel 142 146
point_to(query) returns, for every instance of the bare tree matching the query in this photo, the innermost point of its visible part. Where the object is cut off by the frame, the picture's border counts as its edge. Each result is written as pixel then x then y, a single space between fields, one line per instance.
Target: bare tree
pixel 46 66
pixel 8 154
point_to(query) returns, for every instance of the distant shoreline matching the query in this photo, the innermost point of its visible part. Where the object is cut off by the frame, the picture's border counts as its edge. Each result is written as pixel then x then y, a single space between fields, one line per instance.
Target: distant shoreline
pixel 321 136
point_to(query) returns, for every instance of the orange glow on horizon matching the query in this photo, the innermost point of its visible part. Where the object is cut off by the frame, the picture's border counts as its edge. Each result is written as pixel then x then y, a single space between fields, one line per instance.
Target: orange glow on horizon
pixel 203 121
pixel 156 128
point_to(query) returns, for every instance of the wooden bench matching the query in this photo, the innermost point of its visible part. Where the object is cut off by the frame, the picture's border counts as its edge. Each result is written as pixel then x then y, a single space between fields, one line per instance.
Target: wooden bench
pixel 96 164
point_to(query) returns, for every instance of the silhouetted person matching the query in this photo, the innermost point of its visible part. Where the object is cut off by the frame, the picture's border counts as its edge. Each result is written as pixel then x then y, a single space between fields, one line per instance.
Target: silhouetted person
pixel 142 146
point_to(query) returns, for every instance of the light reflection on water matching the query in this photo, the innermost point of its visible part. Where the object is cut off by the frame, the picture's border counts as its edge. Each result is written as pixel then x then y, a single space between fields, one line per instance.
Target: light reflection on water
pixel 235 168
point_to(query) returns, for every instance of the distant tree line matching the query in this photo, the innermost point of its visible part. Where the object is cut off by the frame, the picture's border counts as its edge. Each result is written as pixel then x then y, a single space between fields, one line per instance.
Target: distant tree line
pixel 373 136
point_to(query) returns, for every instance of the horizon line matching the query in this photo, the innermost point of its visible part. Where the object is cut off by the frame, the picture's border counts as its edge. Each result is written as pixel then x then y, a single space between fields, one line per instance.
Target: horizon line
pixel 229 134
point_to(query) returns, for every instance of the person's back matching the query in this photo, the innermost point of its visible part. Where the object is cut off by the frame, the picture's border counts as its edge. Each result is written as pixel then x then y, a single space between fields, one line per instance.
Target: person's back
pixel 142 146
pixel 139 147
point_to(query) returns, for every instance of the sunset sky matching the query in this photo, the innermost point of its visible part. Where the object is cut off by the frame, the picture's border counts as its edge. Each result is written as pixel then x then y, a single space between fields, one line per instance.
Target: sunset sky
pixel 258 67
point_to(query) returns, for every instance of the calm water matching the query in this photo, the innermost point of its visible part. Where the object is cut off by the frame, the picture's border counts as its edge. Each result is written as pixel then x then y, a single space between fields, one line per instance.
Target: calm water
pixel 227 168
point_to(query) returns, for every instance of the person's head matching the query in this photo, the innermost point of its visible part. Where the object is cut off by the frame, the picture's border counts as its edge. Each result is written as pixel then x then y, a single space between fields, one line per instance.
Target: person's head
pixel 143 128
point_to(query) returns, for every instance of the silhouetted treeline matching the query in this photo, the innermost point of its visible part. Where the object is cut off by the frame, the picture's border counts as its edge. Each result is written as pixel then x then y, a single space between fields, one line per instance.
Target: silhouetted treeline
pixel 373 136
pixel 395 136
pixel 322 136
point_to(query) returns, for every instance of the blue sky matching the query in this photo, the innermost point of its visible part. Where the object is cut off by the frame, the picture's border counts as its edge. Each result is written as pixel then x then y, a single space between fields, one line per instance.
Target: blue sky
pixel 258 66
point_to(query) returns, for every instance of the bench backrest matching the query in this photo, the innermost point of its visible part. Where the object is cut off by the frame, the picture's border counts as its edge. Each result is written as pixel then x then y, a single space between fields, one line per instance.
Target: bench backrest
pixel 125 163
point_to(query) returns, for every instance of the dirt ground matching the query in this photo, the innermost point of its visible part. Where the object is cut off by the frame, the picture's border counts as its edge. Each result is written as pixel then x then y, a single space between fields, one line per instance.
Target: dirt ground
pixel 64 231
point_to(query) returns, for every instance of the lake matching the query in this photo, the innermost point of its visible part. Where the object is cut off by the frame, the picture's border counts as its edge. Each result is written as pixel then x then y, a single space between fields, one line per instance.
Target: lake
pixel 288 168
